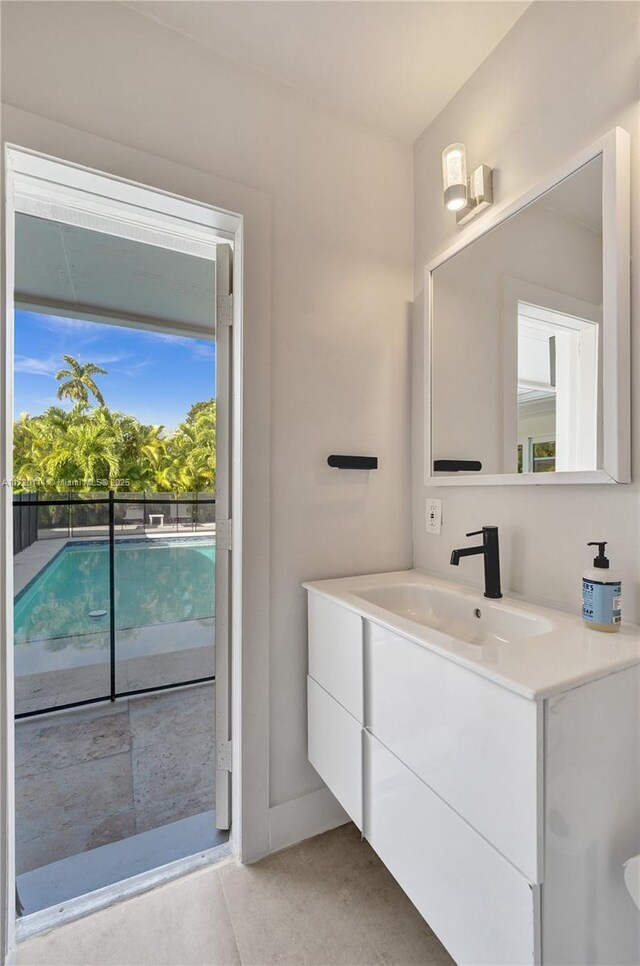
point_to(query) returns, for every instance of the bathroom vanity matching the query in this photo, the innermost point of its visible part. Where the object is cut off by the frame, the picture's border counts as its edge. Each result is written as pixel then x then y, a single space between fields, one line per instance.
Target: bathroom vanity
pixel 490 753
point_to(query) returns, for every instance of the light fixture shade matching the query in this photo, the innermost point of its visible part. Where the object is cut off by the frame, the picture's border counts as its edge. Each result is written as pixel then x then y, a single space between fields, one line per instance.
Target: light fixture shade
pixel 454 177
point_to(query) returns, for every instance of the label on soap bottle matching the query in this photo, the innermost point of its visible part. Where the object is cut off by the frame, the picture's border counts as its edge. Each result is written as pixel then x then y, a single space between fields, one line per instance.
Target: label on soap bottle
pixel 601 603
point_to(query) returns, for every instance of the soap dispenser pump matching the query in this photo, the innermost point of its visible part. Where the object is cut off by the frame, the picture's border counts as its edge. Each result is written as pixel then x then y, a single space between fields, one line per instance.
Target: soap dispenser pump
pixel 601 593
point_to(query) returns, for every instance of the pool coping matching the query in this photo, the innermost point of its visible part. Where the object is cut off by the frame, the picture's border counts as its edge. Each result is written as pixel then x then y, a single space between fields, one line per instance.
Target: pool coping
pixel 36 576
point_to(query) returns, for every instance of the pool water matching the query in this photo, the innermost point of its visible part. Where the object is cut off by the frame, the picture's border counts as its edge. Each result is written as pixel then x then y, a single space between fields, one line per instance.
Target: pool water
pixel 156 582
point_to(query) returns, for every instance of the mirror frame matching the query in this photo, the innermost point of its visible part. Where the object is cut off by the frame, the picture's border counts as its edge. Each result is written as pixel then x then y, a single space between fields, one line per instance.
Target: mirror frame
pixel 614 148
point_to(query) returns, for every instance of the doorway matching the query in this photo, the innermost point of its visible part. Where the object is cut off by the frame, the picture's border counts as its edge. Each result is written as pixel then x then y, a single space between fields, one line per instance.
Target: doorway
pixel 557 390
pixel 117 604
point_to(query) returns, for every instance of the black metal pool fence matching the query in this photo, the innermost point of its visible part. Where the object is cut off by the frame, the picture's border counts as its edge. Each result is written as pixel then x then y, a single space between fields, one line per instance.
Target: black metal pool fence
pixel 111 514
pixel 25 521
pixel 42 516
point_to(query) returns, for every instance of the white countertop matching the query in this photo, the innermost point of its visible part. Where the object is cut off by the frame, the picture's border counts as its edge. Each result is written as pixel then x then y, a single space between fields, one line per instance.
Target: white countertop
pixel 557 660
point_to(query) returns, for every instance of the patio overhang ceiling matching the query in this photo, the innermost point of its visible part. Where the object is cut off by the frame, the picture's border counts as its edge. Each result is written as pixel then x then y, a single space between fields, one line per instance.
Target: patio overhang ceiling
pixel 77 273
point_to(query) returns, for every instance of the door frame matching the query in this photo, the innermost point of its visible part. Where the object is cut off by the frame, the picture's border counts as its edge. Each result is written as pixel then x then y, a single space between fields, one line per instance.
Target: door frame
pixel 59 190
pixel 538 298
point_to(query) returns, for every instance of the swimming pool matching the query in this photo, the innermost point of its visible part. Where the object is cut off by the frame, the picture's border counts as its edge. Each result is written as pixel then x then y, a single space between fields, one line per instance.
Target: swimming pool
pixel 157 581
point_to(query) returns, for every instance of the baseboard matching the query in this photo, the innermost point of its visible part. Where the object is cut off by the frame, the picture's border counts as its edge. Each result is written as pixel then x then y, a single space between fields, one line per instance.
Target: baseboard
pixel 304 817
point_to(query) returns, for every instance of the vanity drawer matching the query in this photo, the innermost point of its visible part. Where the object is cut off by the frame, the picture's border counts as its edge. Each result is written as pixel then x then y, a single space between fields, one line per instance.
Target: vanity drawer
pixel 476 744
pixel 478 905
pixel 335 748
pixel 335 652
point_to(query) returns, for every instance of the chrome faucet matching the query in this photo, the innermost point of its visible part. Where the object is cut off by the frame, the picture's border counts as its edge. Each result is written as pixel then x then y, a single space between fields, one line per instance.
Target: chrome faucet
pixel 491 552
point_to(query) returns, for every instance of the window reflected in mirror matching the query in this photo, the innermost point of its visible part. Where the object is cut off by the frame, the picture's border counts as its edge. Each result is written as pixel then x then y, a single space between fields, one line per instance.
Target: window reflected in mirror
pixel 516 340
pixel 557 391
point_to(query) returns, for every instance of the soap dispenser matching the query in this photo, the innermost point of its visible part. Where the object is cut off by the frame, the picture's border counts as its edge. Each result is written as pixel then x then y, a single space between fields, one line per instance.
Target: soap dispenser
pixel 601 594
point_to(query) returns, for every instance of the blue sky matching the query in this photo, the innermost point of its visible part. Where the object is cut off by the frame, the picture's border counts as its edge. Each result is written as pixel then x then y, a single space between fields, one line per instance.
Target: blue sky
pixel 152 376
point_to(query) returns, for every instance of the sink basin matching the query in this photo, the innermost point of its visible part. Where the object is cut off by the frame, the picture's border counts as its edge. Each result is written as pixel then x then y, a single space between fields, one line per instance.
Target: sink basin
pixel 534 651
pixel 465 616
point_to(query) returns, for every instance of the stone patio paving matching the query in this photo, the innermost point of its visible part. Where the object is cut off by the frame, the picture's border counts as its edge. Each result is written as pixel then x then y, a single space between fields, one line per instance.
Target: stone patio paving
pixel 94 775
pixel 170 653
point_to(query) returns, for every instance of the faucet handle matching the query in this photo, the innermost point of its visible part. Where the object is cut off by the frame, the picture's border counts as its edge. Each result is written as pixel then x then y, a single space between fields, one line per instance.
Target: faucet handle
pixel 481 533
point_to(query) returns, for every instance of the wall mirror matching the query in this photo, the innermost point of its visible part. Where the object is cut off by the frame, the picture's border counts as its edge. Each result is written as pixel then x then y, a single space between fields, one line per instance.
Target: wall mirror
pixel 527 326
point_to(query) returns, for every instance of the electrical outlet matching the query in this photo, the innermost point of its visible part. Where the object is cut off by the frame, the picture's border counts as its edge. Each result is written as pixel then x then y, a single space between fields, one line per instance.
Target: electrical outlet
pixel 434 515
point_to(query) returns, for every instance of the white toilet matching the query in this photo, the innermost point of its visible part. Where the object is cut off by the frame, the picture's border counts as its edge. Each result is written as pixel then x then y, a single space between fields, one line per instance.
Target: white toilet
pixel 632 878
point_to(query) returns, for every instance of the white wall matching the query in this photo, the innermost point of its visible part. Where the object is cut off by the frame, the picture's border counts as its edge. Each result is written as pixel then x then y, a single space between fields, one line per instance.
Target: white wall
pixel 341 285
pixel 564 75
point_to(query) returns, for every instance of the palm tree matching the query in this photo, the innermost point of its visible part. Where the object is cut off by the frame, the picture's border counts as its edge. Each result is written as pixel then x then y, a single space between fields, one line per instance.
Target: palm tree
pixel 85 451
pixel 57 417
pixel 99 443
pixel 142 452
pixel 80 382
pixel 193 451
pixel 34 440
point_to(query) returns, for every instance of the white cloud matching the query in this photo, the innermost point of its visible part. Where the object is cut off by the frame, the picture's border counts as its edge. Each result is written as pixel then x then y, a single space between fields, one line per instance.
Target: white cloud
pixel 33 366
pixel 135 368
pixel 37 367
pixel 198 348
pixel 167 337
pixel 57 323
pixel 102 360
pixel 204 350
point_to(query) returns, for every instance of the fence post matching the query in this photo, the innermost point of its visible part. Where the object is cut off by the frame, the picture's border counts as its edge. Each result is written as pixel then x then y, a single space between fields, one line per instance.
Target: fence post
pixel 17 524
pixel 112 599
pixel 33 519
pixel 25 521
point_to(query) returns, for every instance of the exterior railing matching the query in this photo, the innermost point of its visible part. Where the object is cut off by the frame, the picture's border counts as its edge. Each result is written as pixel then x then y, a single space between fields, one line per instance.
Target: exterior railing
pixel 25 521
pixel 113 515
pixel 65 515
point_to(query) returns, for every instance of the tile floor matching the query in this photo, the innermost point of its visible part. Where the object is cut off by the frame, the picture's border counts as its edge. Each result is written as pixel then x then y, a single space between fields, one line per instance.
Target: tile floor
pixel 98 774
pixel 326 901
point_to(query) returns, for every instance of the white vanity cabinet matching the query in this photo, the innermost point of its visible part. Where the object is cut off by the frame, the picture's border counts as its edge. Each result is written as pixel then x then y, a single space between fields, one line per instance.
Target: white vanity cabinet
pixel 482 909
pixel 498 814
pixel 478 746
pixel 335 693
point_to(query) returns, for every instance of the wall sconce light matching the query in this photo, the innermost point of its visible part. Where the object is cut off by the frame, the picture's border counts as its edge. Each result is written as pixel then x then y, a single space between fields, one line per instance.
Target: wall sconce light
pixel 454 177
pixel 466 196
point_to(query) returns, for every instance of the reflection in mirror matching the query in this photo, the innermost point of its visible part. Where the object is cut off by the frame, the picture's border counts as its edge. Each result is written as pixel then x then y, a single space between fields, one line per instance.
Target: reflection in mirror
pixel 516 340
pixel 557 390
